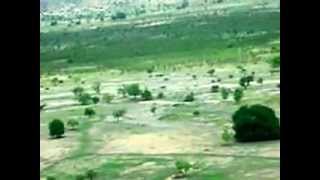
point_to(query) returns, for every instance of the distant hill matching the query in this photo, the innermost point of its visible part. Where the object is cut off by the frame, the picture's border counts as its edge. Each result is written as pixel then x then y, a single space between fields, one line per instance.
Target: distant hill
pixel 149 4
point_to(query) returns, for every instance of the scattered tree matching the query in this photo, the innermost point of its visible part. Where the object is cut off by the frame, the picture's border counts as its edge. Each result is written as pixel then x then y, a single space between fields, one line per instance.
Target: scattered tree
pixel 51 178
pixel 91 174
pixel 245 81
pixel 150 70
pixel 119 15
pixel 78 91
pixel 95 100
pixel 85 99
pixel 133 90
pixel 97 87
pixel 56 128
pixel 196 113
pixel 122 91
pixel 80 177
pixel 160 95
pixel 55 81
pixel 228 134
pixel 275 62
pixel 189 97
pixel 146 95
pixel 89 112
pixel 255 123
pixel 183 5
pixel 211 72
pixel 118 114
pixel 53 23
pixel 260 80
pixel 73 124
pixel 42 106
pixel 224 93
pixel 107 98
pixel 182 167
pixel 153 109
pixel 215 88
pixel 237 95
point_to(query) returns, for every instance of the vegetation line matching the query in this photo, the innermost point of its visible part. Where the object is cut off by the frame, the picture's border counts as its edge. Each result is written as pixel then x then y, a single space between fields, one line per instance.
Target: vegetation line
pixel 161 155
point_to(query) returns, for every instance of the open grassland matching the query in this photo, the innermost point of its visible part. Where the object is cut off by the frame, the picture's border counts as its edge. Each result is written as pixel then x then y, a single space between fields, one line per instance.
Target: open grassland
pixel 146 145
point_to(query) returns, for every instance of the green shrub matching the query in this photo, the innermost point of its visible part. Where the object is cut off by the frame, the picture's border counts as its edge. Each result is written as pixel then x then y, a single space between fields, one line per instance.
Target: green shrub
pixel 275 62
pixel 183 166
pixel 89 112
pixel 119 15
pixel 80 177
pixel 146 95
pixel 255 123
pixel 238 94
pixel 118 114
pixel 56 128
pixel 215 88
pixel 122 91
pixel 194 77
pixel 91 174
pixel 189 97
pixel 224 93
pixel 211 72
pixel 183 5
pixel 230 76
pixel 53 23
pixel 55 81
pixel 242 69
pixel 196 113
pixel 260 80
pixel 42 106
pixel 85 99
pixel 78 91
pixel 107 98
pixel 160 95
pixel 150 70
pixel 51 178
pixel 97 87
pixel 228 134
pixel 95 100
pixel 153 109
pixel 245 81
pixel 133 90
pixel 250 78
pixel 73 124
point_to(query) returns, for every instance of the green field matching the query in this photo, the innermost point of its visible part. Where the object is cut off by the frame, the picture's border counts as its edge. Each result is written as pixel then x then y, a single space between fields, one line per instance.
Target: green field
pixel 145 145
